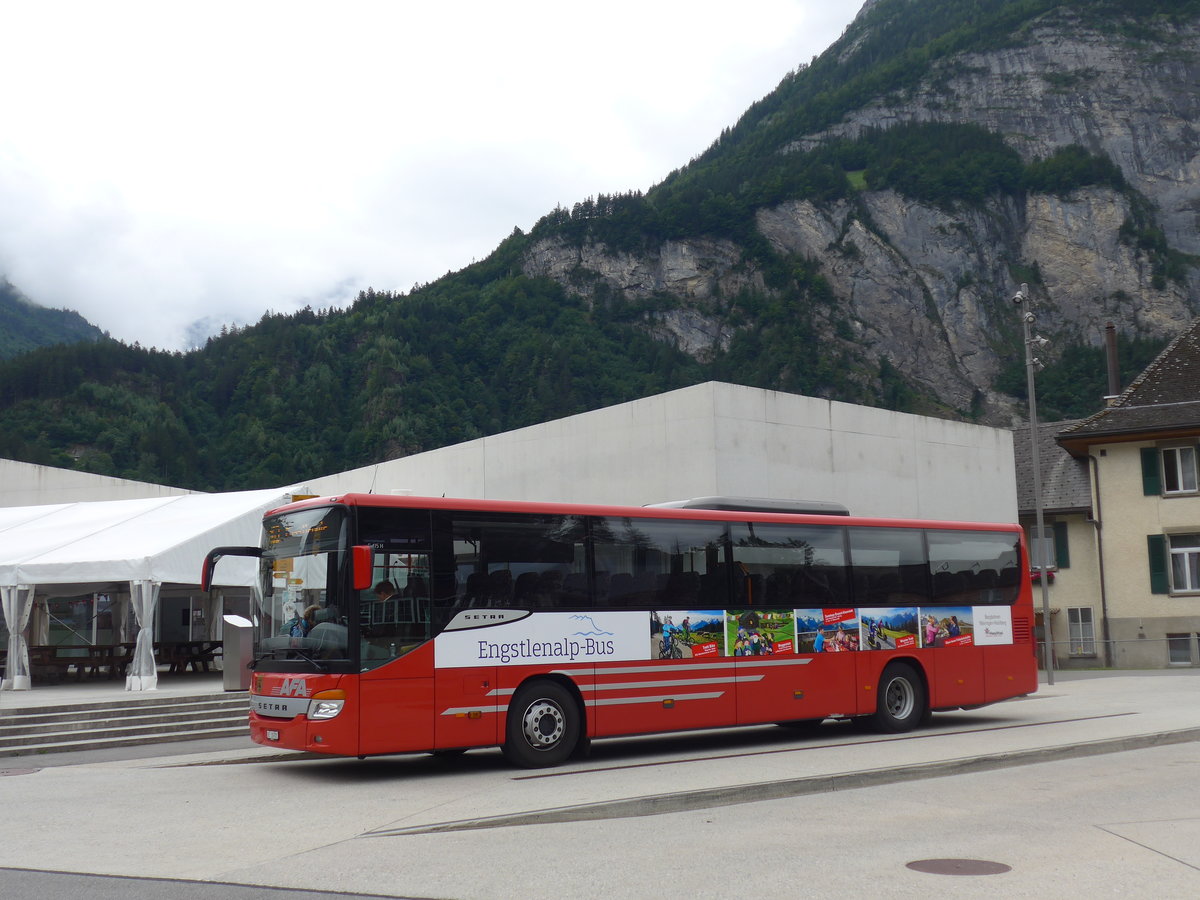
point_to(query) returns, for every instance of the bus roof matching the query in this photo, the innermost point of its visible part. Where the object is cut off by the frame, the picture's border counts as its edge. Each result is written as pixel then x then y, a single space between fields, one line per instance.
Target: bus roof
pixel 758 504
pixel 407 501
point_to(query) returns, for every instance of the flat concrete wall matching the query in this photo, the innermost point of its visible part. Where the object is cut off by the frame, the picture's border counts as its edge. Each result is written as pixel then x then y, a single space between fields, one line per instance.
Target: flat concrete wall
pixel 708 439
pixel 25 484
pixel 877 462
pixel 719 438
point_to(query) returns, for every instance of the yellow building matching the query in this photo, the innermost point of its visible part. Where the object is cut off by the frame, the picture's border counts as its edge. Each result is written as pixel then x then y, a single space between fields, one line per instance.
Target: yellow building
pixel 1130 593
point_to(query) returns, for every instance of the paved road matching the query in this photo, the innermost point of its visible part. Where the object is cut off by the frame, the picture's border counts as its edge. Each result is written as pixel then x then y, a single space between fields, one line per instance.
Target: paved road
pixel 24 884
pixel 1089 788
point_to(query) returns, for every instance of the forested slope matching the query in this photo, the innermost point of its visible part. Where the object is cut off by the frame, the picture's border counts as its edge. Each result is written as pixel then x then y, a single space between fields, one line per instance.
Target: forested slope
pixel 856 235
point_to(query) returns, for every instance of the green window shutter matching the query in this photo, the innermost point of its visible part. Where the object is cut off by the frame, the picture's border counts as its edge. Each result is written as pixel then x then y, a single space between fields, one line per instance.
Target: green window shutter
pixel 1062 549
pixel 1151 480
pixel 1156 544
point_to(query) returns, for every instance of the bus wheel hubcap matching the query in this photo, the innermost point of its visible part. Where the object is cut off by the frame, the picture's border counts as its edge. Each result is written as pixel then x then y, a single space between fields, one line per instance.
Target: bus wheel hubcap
pixel 899 698
pixel 543 724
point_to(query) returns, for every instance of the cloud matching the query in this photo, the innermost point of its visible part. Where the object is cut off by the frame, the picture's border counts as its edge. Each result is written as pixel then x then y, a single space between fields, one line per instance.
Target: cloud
pixel 169 164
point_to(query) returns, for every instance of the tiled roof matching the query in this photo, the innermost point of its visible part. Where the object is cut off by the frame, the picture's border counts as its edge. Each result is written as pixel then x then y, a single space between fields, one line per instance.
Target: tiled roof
pixel 1065 483
pixel 1164 399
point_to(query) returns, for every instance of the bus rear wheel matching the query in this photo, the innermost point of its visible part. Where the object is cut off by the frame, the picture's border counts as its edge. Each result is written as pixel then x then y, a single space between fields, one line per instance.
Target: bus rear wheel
pixel 900 702
pixel 543 725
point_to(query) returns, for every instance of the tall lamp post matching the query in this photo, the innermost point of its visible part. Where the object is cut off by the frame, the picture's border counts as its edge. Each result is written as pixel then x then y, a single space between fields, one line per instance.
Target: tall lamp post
pixel 1032 342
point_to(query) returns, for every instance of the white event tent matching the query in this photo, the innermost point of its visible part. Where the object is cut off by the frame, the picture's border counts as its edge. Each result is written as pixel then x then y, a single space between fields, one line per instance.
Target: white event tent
pixel 140 543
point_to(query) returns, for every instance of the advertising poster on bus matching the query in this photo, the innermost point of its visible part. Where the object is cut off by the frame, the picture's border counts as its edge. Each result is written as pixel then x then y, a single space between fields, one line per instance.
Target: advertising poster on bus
pixel 826 630
pixel 686 634
pixel 759 632
pixel 949 626
pixel 993 625
pixel 890 628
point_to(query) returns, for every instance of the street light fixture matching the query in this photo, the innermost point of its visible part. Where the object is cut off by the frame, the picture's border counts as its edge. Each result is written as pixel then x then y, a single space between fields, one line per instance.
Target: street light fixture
pixel 1034 342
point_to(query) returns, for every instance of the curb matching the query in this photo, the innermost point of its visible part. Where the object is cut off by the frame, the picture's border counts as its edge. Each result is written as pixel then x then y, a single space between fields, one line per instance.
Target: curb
pixel 661 804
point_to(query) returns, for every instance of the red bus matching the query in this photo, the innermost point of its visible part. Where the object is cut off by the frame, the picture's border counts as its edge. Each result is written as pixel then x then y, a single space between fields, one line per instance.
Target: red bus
pixel 394 624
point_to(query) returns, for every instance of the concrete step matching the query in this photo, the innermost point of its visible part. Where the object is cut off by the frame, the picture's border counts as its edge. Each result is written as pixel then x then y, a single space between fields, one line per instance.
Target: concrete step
pixel 124 722
pixel 130 701
pixel 14 735
pixel 96 743
pixel 82 717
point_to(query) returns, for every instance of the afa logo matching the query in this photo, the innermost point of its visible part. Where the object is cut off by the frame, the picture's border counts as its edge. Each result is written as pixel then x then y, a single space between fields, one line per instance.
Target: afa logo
pixel 291 687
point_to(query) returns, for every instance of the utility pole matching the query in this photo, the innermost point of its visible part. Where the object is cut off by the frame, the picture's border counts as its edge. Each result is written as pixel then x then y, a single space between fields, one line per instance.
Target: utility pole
pixel 1032 363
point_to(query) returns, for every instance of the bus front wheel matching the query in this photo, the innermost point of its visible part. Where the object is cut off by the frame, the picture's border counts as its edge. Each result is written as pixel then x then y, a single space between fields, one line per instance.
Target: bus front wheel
pixel 900 702
pixel 543 725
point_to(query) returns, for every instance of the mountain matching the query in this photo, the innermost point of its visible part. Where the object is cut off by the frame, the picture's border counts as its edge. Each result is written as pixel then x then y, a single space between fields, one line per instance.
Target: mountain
pixel 936 157
pixel 858 234
pixel 25 325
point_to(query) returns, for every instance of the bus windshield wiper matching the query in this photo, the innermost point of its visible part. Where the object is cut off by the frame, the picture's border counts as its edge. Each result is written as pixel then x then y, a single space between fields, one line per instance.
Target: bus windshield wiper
pixel 319 664
pixel 274 654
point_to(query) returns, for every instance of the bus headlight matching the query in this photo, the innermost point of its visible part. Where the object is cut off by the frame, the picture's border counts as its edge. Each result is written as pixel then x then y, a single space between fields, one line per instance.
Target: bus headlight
pixel 326 704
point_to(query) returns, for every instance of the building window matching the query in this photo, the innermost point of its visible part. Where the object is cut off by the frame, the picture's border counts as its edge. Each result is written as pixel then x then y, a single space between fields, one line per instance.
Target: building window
pixel 1179 470
pixel 1081 633
pixel 1041 547
pixel 1050 545
pixel 1185 562
pixel 1170 471
pixel 1179 649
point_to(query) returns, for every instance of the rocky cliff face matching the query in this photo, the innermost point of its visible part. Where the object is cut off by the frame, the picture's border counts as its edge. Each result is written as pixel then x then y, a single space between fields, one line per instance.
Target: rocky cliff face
pixel 1134 95
pixel 695 274
pixel 929 290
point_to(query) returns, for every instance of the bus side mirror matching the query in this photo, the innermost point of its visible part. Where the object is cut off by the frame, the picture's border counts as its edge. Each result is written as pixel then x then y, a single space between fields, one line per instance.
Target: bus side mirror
pixel 206 573
pixel 210 561
pixel 363 567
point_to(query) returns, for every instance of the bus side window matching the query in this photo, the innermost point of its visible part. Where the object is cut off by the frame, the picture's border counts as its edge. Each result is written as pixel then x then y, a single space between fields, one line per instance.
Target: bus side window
pixel 658 563
pixel 525 561
pixel 972 568
pixel 889 566
pixel 789 566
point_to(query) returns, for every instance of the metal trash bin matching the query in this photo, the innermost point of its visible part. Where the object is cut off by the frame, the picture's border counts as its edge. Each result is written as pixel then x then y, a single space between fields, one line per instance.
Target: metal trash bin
pixel 238 647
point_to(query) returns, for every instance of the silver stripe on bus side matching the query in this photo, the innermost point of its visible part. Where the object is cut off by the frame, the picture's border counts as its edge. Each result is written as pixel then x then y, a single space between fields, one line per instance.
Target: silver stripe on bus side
pixel 607 701
pixel 624 701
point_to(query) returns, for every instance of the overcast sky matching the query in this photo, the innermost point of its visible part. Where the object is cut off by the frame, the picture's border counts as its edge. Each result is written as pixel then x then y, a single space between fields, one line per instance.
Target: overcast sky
pixel 169 167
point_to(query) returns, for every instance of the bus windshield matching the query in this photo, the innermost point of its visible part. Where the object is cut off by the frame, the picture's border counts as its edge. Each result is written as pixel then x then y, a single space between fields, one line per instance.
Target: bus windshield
pixel 299 615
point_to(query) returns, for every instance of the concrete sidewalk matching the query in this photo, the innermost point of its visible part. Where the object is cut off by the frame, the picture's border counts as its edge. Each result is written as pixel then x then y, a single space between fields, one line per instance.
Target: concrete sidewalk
pixel 605 826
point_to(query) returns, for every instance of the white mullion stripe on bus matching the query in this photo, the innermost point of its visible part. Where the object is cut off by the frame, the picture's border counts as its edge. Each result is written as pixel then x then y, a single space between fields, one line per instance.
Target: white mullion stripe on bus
pixel 633 670
pixel 755 663
pixel 639 685
pixel 666 683
pixel 625 701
